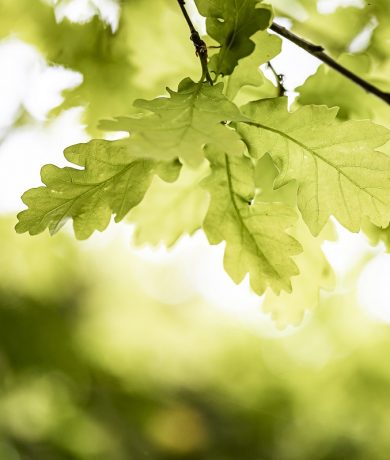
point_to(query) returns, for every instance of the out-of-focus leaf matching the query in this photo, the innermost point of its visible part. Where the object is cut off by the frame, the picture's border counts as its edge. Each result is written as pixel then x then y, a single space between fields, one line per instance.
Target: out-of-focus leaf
pixel 116 67
pixel 329 87
pixel 315 273
pixel 334 31
pixel 379 43
pixel 377 234
pixel 169 211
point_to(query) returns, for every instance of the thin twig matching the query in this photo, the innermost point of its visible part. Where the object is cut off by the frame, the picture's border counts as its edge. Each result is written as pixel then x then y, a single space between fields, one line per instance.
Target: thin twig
pixel 319 53
pixel 279 80
pixel 200 45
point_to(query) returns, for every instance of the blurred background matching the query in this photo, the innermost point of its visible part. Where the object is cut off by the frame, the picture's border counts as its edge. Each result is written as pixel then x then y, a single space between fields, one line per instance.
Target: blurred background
pixel 113 351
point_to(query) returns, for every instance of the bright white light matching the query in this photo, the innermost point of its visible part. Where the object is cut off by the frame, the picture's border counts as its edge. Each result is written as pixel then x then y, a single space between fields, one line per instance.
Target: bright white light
pixel 347 251
pixel 362 40
pixel 198 20
pixel 109 11
pixel 27 81
pixel 329 6
pixel 84 10
pixel 18 61
pixel 374 287
pixel 216 286
pixel 75 10
pixel 290 63
pixel 27 148
pixel 46 87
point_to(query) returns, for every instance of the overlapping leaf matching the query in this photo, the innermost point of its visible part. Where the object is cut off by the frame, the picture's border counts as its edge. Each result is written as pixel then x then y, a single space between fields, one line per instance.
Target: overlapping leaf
pixel 231 23
pixel 112 181
pixel 183 123
pixel 345 23
pixel 376 234
pixel 116 67
pixel 315 273
pixel 254 231
pixel 379 43
pixel 335 164
pixel 331 88
pixel 248 73
pixel 169 211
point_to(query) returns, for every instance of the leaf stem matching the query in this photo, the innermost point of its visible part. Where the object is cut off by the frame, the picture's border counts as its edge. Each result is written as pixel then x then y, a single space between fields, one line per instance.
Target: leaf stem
pixel 319 52
pixel 199 44
pixel 279 80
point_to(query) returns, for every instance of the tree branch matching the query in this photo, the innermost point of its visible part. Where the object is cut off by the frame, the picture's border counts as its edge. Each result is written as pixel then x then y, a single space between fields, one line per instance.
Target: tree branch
pixel 319 53
pixel 200 45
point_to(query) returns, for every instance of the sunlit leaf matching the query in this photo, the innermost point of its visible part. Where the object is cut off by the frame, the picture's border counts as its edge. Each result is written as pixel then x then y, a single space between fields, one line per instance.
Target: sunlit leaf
pixel 254 231
pixel 247 73
pixel 231 24
pixel 183 123
pixel 335 164
pixel 169 211
pixel 329 87
pixel 112 181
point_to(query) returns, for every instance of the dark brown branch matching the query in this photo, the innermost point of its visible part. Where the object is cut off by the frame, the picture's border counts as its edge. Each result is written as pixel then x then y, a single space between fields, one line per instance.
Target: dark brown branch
pixel 200 45
pixel 319 53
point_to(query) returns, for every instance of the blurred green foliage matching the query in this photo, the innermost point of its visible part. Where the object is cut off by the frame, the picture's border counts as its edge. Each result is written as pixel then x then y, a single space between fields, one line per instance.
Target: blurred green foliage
pixel 93 367
pixel 116 67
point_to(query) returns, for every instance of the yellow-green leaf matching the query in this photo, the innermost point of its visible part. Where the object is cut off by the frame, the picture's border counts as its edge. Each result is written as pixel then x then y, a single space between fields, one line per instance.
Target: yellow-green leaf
pixel 335 164
pixel 112 181
pixel 255 232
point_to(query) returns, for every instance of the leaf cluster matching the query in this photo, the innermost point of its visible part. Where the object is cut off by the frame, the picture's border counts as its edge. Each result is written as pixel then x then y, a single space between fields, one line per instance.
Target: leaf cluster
pixel 261 177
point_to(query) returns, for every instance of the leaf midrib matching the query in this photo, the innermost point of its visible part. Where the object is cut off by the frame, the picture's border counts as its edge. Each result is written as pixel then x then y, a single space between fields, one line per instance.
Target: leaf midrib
pixel 241 220
pixel 93 189
pixel 316 155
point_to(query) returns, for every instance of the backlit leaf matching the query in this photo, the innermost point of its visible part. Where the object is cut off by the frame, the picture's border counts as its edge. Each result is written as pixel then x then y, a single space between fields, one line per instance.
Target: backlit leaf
pixel 169 211
pixel 254 231
pixel 231 23
pixel 335 164
pixel 183 123
pixel 247 73
pixel 112 181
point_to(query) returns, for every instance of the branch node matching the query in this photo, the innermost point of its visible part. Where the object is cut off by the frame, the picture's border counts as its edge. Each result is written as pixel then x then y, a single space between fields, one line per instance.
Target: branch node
pixel 199 44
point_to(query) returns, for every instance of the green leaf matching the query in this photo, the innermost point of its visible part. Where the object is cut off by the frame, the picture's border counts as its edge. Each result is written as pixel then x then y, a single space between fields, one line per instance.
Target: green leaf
pixel 231 23
pixel 254 231
pixel 376 234
pixel 315 272
pixel 334 31
pixel 335 164
pixel 379 44
pixel 183 123
pixel 112 181
pixel 247 73
pixel 290 8
pixel 169 211
pixel 329 87
pixel 135 61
